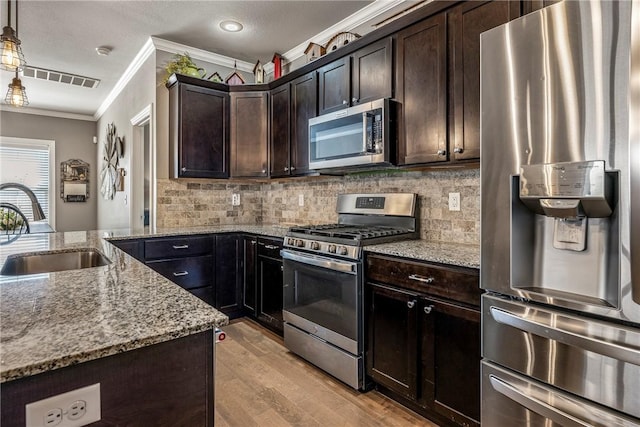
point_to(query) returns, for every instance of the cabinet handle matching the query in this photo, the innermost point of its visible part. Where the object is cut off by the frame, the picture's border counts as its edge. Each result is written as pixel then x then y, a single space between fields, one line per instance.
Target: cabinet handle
pixel 427 309
pixel 293 168
pixel 183 169
pixel 421 278
pixel 442 152
pixel 253 242
pixel 264 171
pixel 282 268
pixel 180 273
pixel 345 102
pixel 411 304
pixel 271 247
pixel 457 150
pixel 354 100
pixel 286 169
pixel 180 246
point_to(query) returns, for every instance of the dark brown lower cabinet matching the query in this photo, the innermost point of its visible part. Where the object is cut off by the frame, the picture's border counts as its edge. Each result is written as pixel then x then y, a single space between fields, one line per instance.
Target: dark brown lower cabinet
pixel 392 359
pixel 422 349
pixel 270 283
pixel 248 269
pixel 228 289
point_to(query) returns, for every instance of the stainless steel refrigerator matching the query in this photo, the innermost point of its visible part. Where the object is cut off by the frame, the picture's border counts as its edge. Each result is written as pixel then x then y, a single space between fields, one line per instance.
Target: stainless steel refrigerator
pixel 560 217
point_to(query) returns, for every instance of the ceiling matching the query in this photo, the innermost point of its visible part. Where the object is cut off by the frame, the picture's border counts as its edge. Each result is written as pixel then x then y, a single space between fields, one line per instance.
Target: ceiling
pixel 63 35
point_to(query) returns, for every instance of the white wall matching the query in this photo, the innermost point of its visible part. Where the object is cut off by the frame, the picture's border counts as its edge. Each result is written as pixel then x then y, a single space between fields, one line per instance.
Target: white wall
pixel 138 94
pixel 74 140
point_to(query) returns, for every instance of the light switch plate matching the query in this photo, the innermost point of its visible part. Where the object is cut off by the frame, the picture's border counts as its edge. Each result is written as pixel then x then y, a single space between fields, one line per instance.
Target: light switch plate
pixel 300 199
pixel 235 199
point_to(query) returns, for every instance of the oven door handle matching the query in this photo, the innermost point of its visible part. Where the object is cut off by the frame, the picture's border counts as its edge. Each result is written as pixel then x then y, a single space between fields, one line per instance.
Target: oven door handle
pixel 328 263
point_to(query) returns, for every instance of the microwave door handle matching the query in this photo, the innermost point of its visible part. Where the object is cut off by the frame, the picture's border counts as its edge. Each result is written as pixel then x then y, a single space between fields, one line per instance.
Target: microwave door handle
pixel 364 132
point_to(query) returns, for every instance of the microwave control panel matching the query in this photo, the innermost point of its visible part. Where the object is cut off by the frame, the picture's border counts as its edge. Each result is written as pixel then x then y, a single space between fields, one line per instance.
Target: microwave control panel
pixel 374 131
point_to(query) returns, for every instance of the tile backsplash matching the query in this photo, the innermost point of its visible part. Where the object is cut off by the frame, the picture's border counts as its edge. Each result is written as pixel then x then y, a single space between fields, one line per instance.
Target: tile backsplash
pixel 202 202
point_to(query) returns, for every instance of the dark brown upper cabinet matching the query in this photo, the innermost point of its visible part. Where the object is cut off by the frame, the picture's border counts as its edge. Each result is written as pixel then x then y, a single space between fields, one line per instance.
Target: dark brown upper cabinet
pixel 304 105
pixel 421 90
pixel 280 141
pixel 199 132
pixel 249 134
pixel 365 75
pixel 466 22
pixel 529 6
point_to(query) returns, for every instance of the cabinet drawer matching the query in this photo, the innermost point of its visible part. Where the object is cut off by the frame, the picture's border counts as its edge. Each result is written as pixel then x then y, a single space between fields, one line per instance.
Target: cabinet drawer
pixel 270 247
pixel 189 273
pixel 455 283
pixel 175 247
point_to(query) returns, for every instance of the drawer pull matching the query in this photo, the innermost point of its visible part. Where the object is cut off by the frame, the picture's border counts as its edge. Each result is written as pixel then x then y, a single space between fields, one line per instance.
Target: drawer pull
pixel 422 279
pixel 180 246
pixel 180 273
pixel 271 247
pixel 411 304
pixel 427 309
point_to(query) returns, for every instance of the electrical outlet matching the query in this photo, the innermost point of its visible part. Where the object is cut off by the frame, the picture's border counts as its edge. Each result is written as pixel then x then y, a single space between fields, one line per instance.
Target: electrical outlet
pixel 454 201
pixel 300 199
pixel 75 408
pixel 235 199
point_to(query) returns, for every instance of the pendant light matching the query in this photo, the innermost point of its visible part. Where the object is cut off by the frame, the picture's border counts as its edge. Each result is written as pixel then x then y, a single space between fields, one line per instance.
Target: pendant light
pixel 16 95
pixel 12 57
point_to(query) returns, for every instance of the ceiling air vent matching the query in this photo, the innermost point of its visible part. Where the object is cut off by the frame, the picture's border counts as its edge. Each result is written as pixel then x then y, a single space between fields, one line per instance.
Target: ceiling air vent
pixel 60 77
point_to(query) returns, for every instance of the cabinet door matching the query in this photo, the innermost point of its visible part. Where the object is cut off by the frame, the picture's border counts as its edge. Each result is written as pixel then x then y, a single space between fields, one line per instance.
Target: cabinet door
pixel 421 82
pixel 392 347
pixel 249 274
pixel 304 106
pixel 228 293
pixel 529 6
pixel 372 76
pixel 199 132
pixel 270 286
pixel 451 360
pixel 129 246
pixel 334 85
pixel 466 22
pixel 249 134
pixel 279 144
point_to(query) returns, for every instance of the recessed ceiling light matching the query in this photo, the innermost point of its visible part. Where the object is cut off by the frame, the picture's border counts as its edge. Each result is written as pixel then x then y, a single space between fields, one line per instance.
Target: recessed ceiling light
pixel 231 26
pixel 103 50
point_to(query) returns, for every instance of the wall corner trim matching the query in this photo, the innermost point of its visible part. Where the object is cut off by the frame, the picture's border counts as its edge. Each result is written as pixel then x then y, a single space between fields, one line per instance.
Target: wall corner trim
pixel 145 52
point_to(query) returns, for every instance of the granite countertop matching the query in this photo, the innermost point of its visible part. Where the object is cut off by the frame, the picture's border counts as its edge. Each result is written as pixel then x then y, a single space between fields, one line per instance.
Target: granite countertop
pixel 49 321
pixel 53 320
pixel 443 253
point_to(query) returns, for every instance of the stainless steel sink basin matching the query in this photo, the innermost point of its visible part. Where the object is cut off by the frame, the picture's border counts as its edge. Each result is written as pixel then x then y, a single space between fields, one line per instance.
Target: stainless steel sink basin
pixel 48 262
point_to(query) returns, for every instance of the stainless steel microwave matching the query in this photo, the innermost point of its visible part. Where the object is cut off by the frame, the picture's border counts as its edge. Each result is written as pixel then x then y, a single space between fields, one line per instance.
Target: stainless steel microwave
pixel 354 137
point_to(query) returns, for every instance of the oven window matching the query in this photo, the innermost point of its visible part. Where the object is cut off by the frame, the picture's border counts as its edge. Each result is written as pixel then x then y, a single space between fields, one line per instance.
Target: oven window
pixel 337 139
pixel 325 297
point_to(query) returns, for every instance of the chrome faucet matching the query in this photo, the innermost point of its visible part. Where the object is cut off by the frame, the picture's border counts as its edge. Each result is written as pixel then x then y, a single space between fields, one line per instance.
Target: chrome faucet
pixel 38 213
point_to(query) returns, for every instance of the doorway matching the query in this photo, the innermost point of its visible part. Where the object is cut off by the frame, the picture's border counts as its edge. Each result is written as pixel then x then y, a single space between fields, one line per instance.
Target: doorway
pixel 143 173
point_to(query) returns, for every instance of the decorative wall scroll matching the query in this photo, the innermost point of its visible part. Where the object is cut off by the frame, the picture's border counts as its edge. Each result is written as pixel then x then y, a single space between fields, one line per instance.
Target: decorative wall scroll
pixel 113 151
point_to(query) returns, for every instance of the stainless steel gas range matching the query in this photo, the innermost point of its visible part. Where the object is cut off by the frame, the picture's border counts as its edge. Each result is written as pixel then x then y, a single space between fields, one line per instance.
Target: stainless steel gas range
pixel 323 279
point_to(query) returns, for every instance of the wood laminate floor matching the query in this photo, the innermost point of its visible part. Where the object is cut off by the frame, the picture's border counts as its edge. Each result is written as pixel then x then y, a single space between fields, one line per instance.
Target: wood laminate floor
pixel 260 383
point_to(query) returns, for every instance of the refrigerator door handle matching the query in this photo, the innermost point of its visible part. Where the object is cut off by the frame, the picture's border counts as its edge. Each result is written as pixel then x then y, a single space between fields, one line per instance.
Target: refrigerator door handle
pixel 536 400
pixel 562 329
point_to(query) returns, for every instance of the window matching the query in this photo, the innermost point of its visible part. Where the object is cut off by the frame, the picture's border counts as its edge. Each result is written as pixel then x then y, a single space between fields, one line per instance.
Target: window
pixel 29 162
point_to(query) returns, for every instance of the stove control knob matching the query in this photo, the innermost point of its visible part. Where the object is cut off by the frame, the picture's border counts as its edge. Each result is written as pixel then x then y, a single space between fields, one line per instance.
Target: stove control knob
pixel 300 243
pixel 343 250
pixel 332 249
pixel 291 241
pixel 315 246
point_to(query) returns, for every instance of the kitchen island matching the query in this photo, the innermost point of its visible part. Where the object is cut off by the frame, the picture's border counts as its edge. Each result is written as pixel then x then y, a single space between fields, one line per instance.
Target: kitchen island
pixel 148 342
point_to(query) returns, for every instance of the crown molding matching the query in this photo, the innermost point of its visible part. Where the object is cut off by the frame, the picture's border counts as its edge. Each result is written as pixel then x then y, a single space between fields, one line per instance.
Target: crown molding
pixel 368 13
pixel 145 52
pixel 48 113
pixel 202 55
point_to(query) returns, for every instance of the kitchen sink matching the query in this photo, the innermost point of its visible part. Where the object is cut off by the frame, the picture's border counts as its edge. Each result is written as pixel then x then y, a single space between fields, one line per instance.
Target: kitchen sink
pixel 49 262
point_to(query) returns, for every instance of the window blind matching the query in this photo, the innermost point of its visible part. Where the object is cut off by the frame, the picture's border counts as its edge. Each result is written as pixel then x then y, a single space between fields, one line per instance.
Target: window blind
pixel 26 164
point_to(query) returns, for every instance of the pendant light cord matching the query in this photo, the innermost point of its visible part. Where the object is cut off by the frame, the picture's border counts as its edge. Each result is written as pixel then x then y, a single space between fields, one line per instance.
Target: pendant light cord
pixel 16 17
pixel 8 13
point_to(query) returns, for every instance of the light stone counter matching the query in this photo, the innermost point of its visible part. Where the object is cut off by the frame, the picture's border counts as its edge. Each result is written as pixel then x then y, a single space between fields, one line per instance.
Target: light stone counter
pixel 443 253
pixel 49 321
